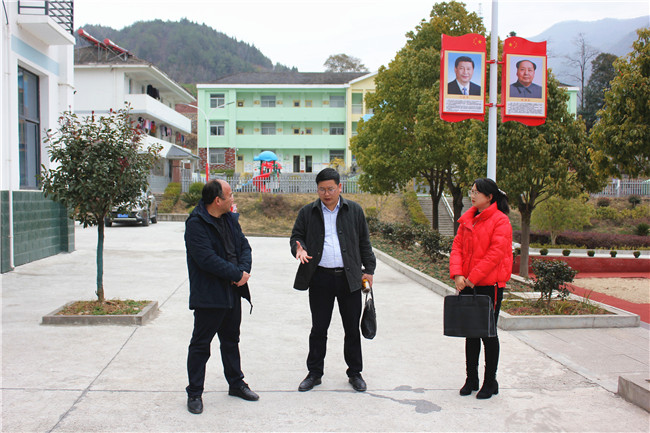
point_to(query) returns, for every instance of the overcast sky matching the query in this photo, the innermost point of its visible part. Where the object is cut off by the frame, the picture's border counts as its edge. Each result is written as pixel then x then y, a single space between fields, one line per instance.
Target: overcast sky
pixel 304 33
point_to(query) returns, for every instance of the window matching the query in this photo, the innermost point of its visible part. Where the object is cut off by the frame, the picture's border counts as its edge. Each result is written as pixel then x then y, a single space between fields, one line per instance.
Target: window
pixel 308 131
pixel 217 128
pixel 217 156
pixel 337 154
pixel 296 103
pixel 29 120
pixel 337 129
pixel 217 100
pixel 268 101
pixel 240 131
pixel 296 131
pixel 268 128
pixel 240 103
pixel 337 101
pixel 308 103
pixel 308 165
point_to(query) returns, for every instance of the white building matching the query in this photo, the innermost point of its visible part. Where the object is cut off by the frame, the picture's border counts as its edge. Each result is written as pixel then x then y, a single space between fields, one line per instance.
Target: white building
pixel 107 76
pixel 36 53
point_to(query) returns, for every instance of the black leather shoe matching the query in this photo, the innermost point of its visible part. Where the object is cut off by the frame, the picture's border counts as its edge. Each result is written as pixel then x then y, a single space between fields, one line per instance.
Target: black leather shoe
pixel 470 385
pixel 357 383
pixel 195 404
pixel 309 382
pixel 487 390
pixel 243 391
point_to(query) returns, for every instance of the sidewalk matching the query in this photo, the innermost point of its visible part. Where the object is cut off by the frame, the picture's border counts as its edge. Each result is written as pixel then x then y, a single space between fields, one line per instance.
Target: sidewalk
pixel 132 379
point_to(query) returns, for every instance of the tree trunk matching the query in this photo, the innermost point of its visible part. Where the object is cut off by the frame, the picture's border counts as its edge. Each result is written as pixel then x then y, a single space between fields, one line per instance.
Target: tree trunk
pixel 457 195
pixel 100 261
pixel 525 241
pixel 435 201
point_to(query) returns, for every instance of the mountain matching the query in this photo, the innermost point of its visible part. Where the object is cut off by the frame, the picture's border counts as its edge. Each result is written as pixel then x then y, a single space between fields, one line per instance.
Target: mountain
pixel 186 51
pixel 608 35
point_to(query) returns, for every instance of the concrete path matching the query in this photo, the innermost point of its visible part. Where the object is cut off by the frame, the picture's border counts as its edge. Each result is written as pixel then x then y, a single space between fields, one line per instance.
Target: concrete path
pixel 132 379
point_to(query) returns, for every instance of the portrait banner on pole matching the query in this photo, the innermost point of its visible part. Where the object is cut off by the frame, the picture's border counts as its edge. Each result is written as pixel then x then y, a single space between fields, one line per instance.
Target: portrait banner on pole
pixel 524 81
pixel 462 77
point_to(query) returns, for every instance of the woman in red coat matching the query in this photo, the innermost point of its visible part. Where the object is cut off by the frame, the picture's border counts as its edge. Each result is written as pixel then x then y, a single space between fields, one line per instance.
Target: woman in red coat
pixel 481 259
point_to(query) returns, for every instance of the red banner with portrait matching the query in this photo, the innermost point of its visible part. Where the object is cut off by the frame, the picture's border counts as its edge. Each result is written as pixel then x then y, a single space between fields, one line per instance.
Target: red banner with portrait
pixel 462 77
pixel 524 81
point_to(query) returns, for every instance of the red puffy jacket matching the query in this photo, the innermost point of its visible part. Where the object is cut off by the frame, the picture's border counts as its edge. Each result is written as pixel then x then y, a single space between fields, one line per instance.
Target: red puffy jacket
pixel 482 248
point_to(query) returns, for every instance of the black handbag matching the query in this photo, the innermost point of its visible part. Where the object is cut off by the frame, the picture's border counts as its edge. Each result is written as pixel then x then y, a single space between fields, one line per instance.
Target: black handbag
pixel 369 317
pixel 469 316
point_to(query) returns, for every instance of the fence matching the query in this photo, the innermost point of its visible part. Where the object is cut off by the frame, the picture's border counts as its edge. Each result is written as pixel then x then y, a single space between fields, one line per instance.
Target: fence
pixel 625 187
pixel 288 183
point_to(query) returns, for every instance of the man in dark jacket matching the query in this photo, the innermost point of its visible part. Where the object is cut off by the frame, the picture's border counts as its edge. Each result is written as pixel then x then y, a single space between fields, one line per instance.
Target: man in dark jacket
pixel 330 238
pixel 219 264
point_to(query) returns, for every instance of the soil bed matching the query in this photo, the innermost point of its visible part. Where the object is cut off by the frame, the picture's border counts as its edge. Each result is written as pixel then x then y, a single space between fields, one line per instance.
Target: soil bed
pixel 107 308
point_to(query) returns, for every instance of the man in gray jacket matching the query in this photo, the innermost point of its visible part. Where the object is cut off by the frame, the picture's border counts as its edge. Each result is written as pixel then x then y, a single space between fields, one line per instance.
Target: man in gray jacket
pixel 330 238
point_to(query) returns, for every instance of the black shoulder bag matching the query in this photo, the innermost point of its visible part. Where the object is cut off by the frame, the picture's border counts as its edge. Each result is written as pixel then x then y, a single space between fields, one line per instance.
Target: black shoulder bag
pixel 470 316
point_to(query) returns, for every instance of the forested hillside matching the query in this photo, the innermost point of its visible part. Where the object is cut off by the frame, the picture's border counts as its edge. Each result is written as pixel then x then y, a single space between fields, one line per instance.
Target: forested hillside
pixel 188 52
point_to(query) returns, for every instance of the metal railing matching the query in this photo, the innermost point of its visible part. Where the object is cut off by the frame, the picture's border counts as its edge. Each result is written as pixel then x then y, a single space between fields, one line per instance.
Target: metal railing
pixel 62 11
pixel 625 187
pixel 285 183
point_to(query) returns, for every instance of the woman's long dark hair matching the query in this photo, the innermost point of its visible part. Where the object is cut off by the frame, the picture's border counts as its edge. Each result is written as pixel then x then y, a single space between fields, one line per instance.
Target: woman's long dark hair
pixel 487 186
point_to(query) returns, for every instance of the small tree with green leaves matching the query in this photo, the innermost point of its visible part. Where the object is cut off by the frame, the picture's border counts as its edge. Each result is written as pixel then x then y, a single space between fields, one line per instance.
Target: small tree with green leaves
pixel 557 215
pixel 552 276
pixel 99 163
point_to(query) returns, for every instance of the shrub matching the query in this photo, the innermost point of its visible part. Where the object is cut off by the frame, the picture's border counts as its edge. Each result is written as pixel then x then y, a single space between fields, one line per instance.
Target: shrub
pixel 434 244
pixel 172 192
pixel 416 214
pixel 594 240
pixel 603 202
pixel 543 251
pixel 566 253
pixel 404 235
pixel 166 206
pixel 517 251
pixel 591 253
pixel 193 195
pixel 637 254
pixel 612 253
pixel 634 200
pixel 608 213
pixel 372 212
pixel 374 225
pixel 642 229
pixel 551 277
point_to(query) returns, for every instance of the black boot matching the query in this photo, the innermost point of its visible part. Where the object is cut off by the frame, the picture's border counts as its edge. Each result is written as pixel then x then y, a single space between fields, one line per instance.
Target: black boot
pixel 490 385
pixel 472 351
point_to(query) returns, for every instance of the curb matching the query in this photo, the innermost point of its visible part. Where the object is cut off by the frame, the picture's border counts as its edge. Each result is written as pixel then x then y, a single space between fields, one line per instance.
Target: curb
pixel 635 389
pixel 178 217
pixel 147 313
pixel 507 322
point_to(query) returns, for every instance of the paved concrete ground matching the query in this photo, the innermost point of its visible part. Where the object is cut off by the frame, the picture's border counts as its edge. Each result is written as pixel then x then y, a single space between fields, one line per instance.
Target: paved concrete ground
pixel 129 378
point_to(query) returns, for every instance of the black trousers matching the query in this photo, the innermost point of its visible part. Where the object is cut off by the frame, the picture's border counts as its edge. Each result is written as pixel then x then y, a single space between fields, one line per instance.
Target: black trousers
pixel 324 288
pixel 491 344
pixel 207 323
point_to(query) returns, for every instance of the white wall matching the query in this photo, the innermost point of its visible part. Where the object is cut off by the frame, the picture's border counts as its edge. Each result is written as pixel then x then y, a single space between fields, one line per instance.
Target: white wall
pixel 53 64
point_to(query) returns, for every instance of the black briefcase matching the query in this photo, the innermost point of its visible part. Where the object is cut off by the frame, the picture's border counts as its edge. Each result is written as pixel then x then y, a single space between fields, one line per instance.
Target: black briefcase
pixel 469 316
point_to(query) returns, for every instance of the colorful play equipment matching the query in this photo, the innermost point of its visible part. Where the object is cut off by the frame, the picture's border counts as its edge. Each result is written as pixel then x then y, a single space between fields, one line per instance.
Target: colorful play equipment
pixel 270 169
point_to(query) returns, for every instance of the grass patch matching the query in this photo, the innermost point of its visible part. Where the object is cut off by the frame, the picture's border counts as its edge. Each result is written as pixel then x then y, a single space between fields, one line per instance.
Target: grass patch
pixel 107 308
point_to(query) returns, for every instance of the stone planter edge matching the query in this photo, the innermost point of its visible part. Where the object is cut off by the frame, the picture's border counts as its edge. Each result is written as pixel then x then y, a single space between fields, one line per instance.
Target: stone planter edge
pixel 147 313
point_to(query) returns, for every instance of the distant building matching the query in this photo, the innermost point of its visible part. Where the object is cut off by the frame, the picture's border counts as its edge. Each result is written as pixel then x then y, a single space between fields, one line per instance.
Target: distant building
pixel 572 103
pixel 36 65
pixel 306 119
pixel 107 76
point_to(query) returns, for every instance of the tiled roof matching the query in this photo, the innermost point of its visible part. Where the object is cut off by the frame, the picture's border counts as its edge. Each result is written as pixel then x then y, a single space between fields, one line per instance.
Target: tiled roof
pixel 290 78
